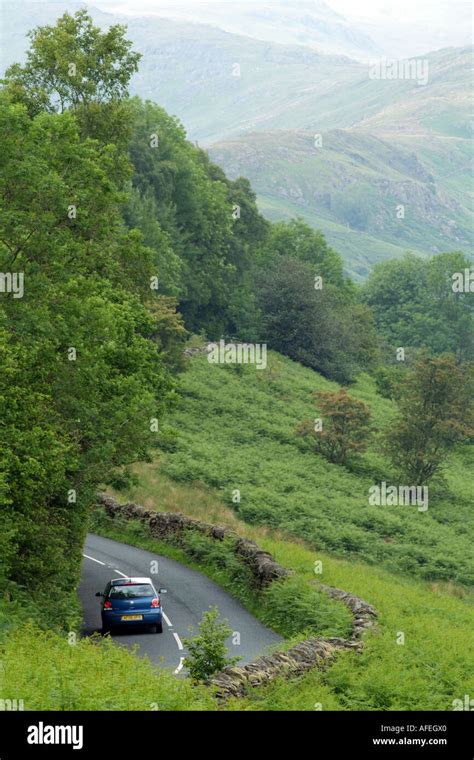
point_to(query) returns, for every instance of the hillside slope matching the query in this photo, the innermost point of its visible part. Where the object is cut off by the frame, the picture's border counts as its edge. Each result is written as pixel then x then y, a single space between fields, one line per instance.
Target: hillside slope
pixel 302 22
pixel 189 68
pixel 250 444
pixel 353 185
pixel 407 145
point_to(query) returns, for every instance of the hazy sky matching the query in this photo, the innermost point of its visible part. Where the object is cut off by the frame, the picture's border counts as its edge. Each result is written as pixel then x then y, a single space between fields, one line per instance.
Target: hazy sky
pixel 409 10
pixel 402 10
pixel 398 28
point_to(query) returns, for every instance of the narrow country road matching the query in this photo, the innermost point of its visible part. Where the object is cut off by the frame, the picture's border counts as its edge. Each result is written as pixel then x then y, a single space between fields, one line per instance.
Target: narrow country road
pixel 189 594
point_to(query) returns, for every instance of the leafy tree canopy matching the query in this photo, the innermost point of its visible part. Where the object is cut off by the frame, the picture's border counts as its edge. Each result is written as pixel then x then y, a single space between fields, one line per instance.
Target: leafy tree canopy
pixel 73 63
pixel 435 413
pixel 414 304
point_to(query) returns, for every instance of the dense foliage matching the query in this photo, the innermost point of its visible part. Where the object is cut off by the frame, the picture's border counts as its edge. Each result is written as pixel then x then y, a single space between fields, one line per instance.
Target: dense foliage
pixel 206 229
pixel 83 368
pixel 314 321
pixel 54 672
pixel 415 305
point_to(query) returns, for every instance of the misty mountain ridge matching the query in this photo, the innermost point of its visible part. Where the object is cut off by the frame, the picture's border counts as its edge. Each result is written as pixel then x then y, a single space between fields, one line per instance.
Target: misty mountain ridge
pixel 258 105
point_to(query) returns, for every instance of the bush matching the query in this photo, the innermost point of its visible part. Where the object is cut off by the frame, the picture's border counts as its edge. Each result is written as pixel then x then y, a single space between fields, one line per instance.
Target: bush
pixel 122 480
pixel 220 555
pixel 387 381
pixel 207 650
pixel 345 426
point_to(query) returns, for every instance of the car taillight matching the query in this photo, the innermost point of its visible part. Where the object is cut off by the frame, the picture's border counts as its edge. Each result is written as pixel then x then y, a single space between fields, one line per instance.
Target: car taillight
pixel 107 605
pixel 155 602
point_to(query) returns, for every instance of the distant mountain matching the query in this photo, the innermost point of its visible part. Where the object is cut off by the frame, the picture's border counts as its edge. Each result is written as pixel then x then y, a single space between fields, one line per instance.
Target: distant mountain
pixel 411 148
pixel 302 22
pixel 221 84
pixel 352 187
pixel 217 83
pixel 394 28
pixel 257 106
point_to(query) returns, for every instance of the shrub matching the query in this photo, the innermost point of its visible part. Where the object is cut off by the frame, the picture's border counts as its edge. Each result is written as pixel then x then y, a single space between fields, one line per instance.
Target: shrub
pixel 345 427
pixel 207 651
pixel 122 480
pixel 50 671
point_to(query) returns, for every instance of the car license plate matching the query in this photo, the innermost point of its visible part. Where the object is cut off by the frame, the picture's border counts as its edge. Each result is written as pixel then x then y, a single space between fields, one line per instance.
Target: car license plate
pixel 132 617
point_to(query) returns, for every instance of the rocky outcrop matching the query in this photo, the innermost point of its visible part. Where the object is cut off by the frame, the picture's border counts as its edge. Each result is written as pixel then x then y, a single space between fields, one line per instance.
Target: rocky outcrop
pixel 234 681
pixel 196 351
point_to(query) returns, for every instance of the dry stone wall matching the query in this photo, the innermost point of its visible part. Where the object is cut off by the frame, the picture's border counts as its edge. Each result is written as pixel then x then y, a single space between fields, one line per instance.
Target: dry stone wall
pixel 172 526
pixel 236 680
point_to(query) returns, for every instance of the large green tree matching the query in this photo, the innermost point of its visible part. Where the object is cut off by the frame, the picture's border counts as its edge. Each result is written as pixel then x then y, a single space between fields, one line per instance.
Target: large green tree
pixel 212 224
pixel 81 340
pixel 73 64
pixel 297 240
pixel 414 304
pixel 435 413
pixel 319 327
pixel 88 345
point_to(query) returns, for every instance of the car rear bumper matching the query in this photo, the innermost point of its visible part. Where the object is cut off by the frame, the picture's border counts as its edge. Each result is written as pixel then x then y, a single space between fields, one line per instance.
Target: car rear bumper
pixel 113 618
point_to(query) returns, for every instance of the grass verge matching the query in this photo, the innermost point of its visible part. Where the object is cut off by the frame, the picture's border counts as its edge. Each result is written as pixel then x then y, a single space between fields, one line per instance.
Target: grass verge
pixel 49 671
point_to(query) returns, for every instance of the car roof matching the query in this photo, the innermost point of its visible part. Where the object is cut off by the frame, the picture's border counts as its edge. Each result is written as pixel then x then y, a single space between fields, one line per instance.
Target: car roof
pixel 123 581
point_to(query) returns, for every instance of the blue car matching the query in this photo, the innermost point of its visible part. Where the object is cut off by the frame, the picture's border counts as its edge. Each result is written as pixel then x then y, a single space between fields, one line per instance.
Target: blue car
pixel 128 602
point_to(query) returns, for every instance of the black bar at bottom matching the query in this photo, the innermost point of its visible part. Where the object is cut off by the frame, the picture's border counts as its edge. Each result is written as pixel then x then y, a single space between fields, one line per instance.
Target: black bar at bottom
pixel 110 734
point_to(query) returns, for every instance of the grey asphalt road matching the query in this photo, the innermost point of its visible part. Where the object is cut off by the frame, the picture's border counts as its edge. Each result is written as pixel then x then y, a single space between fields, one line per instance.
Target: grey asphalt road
pixel 189 595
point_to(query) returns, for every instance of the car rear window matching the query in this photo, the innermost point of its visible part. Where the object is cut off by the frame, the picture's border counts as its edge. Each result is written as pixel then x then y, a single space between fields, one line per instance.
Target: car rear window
pixel 131 591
